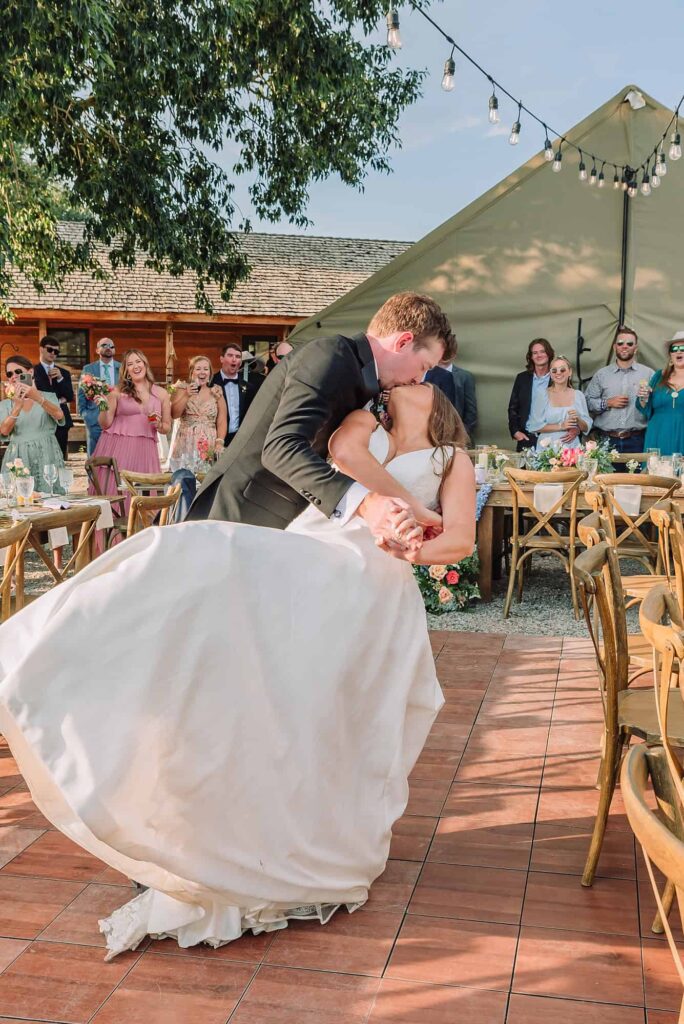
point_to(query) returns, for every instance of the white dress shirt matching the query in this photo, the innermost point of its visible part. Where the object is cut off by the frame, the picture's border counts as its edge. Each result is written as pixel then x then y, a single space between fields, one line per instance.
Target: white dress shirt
pixel 232 393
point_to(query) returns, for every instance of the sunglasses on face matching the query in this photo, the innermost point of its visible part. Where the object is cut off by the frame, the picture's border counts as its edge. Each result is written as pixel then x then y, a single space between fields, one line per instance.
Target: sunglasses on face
pixel 677 348
pixel 559 369
pixel 14 373
pixel 629 344
pixel 54 351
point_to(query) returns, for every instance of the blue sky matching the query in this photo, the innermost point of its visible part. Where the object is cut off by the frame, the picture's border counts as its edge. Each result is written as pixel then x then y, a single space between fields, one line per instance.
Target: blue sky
pixel 562 59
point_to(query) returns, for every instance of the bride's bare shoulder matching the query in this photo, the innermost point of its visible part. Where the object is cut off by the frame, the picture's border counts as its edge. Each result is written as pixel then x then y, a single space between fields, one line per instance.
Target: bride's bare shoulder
pixel 355 430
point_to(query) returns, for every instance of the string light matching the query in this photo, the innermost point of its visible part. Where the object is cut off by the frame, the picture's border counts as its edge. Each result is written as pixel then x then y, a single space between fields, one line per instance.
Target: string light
pixel 393 36
pixel 448 81
pixel 514 137
pixel 646 183
pixel 628 183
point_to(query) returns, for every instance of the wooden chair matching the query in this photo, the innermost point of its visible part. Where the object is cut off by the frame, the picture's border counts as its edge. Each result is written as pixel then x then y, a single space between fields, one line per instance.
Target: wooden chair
pixel 658 832
pixel 626 712
pixel 13 541
pixel 627 531
pixel 145 484
pixel 110 465
pixel 589 529
pixel 539 532
pixel 145 508
pixel 79 520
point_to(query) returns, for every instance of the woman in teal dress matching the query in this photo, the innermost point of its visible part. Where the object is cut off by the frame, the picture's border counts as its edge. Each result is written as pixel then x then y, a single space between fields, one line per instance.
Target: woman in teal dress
pixel 29 418
pixel 662 402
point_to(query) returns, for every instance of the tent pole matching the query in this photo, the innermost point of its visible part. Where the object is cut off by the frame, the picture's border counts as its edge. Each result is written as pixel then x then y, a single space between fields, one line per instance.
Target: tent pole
pixel 629 174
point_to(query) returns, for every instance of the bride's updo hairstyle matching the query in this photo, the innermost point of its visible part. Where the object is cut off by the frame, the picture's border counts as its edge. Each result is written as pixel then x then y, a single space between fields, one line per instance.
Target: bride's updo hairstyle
pixel 445 430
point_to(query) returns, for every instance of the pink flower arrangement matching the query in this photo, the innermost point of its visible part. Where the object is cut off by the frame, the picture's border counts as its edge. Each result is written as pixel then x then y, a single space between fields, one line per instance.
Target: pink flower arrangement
pixel 204 449
pixel 95 390
pixel 452 578
pixel 444 595
pixel 569 457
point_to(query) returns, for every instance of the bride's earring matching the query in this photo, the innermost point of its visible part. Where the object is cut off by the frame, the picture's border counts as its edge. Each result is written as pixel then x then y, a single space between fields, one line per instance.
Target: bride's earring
pixel 379 410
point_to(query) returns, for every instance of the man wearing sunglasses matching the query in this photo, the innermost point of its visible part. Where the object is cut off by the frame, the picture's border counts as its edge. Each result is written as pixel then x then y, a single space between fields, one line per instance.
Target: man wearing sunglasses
pixel 48 376
pixel 611 396
pixel 107 368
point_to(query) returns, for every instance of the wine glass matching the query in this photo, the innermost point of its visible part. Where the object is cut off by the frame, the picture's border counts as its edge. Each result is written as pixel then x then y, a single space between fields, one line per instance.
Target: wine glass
pixel 25 488
pixel 8 486
pixel 50 474
pixel 66 478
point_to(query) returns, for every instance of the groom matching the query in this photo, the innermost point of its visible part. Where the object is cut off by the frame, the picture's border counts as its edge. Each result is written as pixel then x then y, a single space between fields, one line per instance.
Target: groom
pixel 277 463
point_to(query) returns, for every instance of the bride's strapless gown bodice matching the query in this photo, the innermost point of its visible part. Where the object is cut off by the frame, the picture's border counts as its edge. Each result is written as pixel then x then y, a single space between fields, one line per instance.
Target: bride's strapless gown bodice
pixel 228 714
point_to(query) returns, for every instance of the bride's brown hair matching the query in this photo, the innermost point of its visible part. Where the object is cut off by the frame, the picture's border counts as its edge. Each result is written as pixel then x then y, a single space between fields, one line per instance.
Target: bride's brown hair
pixel 445 430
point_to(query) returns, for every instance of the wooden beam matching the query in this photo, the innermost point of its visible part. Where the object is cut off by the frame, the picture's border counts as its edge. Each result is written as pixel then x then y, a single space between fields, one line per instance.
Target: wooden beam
pixel 84 316
pixel 170 353
pixel 42 329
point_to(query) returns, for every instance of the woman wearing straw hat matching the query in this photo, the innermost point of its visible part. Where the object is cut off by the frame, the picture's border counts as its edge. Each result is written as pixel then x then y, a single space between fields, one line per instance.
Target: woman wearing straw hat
pixel 662 401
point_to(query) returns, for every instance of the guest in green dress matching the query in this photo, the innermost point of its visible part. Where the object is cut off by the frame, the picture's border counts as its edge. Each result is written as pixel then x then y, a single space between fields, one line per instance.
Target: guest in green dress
pixel 662 401
pixel 29 418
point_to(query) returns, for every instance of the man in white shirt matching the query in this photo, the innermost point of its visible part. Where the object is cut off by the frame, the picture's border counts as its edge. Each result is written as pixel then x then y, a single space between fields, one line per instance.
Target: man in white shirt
pixel 237 391
pixel 106 368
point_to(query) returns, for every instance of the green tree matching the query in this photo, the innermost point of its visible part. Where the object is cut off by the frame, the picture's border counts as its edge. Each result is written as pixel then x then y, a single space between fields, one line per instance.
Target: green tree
pixel 113 111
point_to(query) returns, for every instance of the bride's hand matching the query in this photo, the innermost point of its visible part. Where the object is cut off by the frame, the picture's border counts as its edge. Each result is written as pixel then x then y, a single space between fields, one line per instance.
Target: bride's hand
pixel 427 517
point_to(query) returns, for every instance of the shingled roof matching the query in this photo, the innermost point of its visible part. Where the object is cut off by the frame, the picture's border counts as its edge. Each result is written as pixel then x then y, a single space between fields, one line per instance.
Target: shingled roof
pixel 292 276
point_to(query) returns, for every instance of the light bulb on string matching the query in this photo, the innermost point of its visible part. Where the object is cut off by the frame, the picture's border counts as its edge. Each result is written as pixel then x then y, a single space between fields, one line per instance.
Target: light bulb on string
pixel 616 179
pixel 449 81
pixel 493 109
pixel 675 146
pixel 662 164
pixel 548 150
pixel 514 137
pixel 632 189
pixel 623 182
pixel 393 36
pixel 646 183
pixel 593 177
pixel 655 177
pixel 601 178
pixel 582 168
pixel 557 165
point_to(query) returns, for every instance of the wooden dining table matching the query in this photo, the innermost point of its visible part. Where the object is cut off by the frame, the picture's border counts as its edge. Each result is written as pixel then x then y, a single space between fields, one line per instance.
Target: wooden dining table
pixel 491 523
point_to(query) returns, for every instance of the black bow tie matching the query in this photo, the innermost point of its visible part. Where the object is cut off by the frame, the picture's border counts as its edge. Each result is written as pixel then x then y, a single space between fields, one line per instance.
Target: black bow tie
pixel 230 380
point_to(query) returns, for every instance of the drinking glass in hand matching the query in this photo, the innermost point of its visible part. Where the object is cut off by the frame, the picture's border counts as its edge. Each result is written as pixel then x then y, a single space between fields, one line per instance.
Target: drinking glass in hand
pixel 66 478
pixel 50 474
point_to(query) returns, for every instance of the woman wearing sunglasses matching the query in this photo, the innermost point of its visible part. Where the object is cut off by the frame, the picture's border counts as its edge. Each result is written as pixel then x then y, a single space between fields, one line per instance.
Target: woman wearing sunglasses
pixel 662 402
pixel 29 418
pixel 562 416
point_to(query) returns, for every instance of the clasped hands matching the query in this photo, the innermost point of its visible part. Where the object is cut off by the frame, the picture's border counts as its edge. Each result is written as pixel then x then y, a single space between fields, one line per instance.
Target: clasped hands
pixel 398 528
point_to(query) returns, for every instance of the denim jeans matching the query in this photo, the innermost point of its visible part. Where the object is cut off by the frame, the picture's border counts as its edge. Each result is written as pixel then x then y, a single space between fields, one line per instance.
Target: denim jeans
pixel 188 484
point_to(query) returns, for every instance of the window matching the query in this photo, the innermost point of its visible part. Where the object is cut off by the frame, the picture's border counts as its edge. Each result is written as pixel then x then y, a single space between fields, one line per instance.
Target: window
pixel 73 347
pixel 259 344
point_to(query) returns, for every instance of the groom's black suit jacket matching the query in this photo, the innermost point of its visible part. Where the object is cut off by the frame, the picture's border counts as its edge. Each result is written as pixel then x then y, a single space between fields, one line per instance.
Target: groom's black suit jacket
pixel 276 464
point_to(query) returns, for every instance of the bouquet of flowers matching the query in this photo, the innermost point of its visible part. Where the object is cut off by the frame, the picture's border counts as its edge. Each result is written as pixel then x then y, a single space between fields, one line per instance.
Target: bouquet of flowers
pixel 448 588
pixel 17 468
pixel 95 390
pixel 555 456
pixel 205 450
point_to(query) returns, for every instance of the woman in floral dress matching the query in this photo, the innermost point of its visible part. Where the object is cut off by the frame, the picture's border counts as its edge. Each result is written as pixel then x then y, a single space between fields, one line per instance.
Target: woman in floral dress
pixel 200 410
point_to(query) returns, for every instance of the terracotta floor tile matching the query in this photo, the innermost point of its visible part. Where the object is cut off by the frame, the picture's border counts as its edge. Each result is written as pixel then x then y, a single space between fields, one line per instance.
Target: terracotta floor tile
pixel 542 1010
pixel 557 848
pixel 447 736
pixel 576 739
pixel 9 772
pixel 496 846
pixel 661 1017
pixel 157 992
pixel 663 987
pixel 404 1002
pixel 609 906
pixel 479 805
pixel 579 965
pixel 14 839
pixel 577 808
pixel 564 770
pixel 357 943
pixel 57 982
pixel 392 890
pixel 437 765
pixel 470 893
pixel 78 922
pixel 249 949
pixel 17 808
pixel 447 952
pixel 411 836
pixel 27 905
pixel 647 912
pixel 485 763
pixel 283 995
pixel 427 796
pixel 55 856
pixel 10 950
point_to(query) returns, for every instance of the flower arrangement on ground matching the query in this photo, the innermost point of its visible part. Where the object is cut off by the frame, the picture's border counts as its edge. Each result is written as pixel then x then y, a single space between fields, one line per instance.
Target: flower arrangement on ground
pixel 556 457
pixel 95 390
pixel 448 588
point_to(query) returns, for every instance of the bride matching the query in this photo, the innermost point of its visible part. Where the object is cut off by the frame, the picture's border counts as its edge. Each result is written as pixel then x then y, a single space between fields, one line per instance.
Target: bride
pixel 243 779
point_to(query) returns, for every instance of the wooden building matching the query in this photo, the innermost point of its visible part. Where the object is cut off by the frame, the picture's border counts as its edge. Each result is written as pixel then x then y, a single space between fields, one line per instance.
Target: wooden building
pixel 293 276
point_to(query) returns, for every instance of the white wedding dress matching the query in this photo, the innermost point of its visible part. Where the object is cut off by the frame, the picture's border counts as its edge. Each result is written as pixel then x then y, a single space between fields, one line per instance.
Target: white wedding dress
pixel 228 714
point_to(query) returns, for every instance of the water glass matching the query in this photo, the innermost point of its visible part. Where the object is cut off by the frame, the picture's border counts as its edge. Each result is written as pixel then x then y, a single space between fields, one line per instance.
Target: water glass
pixel 50 474
pixel 590 466
pixel 9 486
pixel 66 478
pixel 677 463
pixel 25 488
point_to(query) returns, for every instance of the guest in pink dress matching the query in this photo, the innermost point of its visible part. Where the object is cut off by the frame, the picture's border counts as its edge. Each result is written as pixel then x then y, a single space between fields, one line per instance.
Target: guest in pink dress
pixel 138 410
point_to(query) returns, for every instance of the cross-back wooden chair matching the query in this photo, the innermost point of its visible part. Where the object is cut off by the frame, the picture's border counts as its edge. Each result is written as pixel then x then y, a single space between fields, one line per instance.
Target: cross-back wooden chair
pixel 78 521
pixel 13 540
pixel 145 484
pixel 627 711
pixel 540 532
pixel 109 465
pixel 144 509
pixel 589 529
pixel 626 530
pixel 659 833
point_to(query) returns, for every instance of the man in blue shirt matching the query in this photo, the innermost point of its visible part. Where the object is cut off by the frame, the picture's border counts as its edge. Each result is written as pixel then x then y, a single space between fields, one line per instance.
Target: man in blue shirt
pixel 106 368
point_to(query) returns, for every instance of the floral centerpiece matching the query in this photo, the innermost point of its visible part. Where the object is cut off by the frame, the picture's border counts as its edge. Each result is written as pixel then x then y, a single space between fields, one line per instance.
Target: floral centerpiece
pixel 17 468
pixel 448 588
pixel 95 389
pixel 556 457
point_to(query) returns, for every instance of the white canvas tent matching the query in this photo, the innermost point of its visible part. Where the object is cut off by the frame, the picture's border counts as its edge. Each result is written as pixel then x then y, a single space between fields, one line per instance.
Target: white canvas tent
pixel 539 251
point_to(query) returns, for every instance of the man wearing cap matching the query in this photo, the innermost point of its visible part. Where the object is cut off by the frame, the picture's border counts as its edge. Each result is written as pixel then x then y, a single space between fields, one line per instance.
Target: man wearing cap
pixel 237 385
pixel 106 368
pixel 611 396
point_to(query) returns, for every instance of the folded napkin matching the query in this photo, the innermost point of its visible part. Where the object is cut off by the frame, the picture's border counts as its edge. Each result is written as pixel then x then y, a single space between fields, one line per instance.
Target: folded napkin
pixel 105 519
pixel 628 497
pixel 546 496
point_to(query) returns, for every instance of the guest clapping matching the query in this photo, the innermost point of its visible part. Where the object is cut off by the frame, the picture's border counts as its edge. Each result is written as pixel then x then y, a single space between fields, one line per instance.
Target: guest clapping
pixel 561 415
pixel 529 390
pixel 29 418
pixel 200 409
pixel 662 401
pixel 137 410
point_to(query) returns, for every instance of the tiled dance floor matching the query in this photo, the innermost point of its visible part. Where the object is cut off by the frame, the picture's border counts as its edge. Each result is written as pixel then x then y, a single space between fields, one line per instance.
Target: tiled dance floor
pixel 479 916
